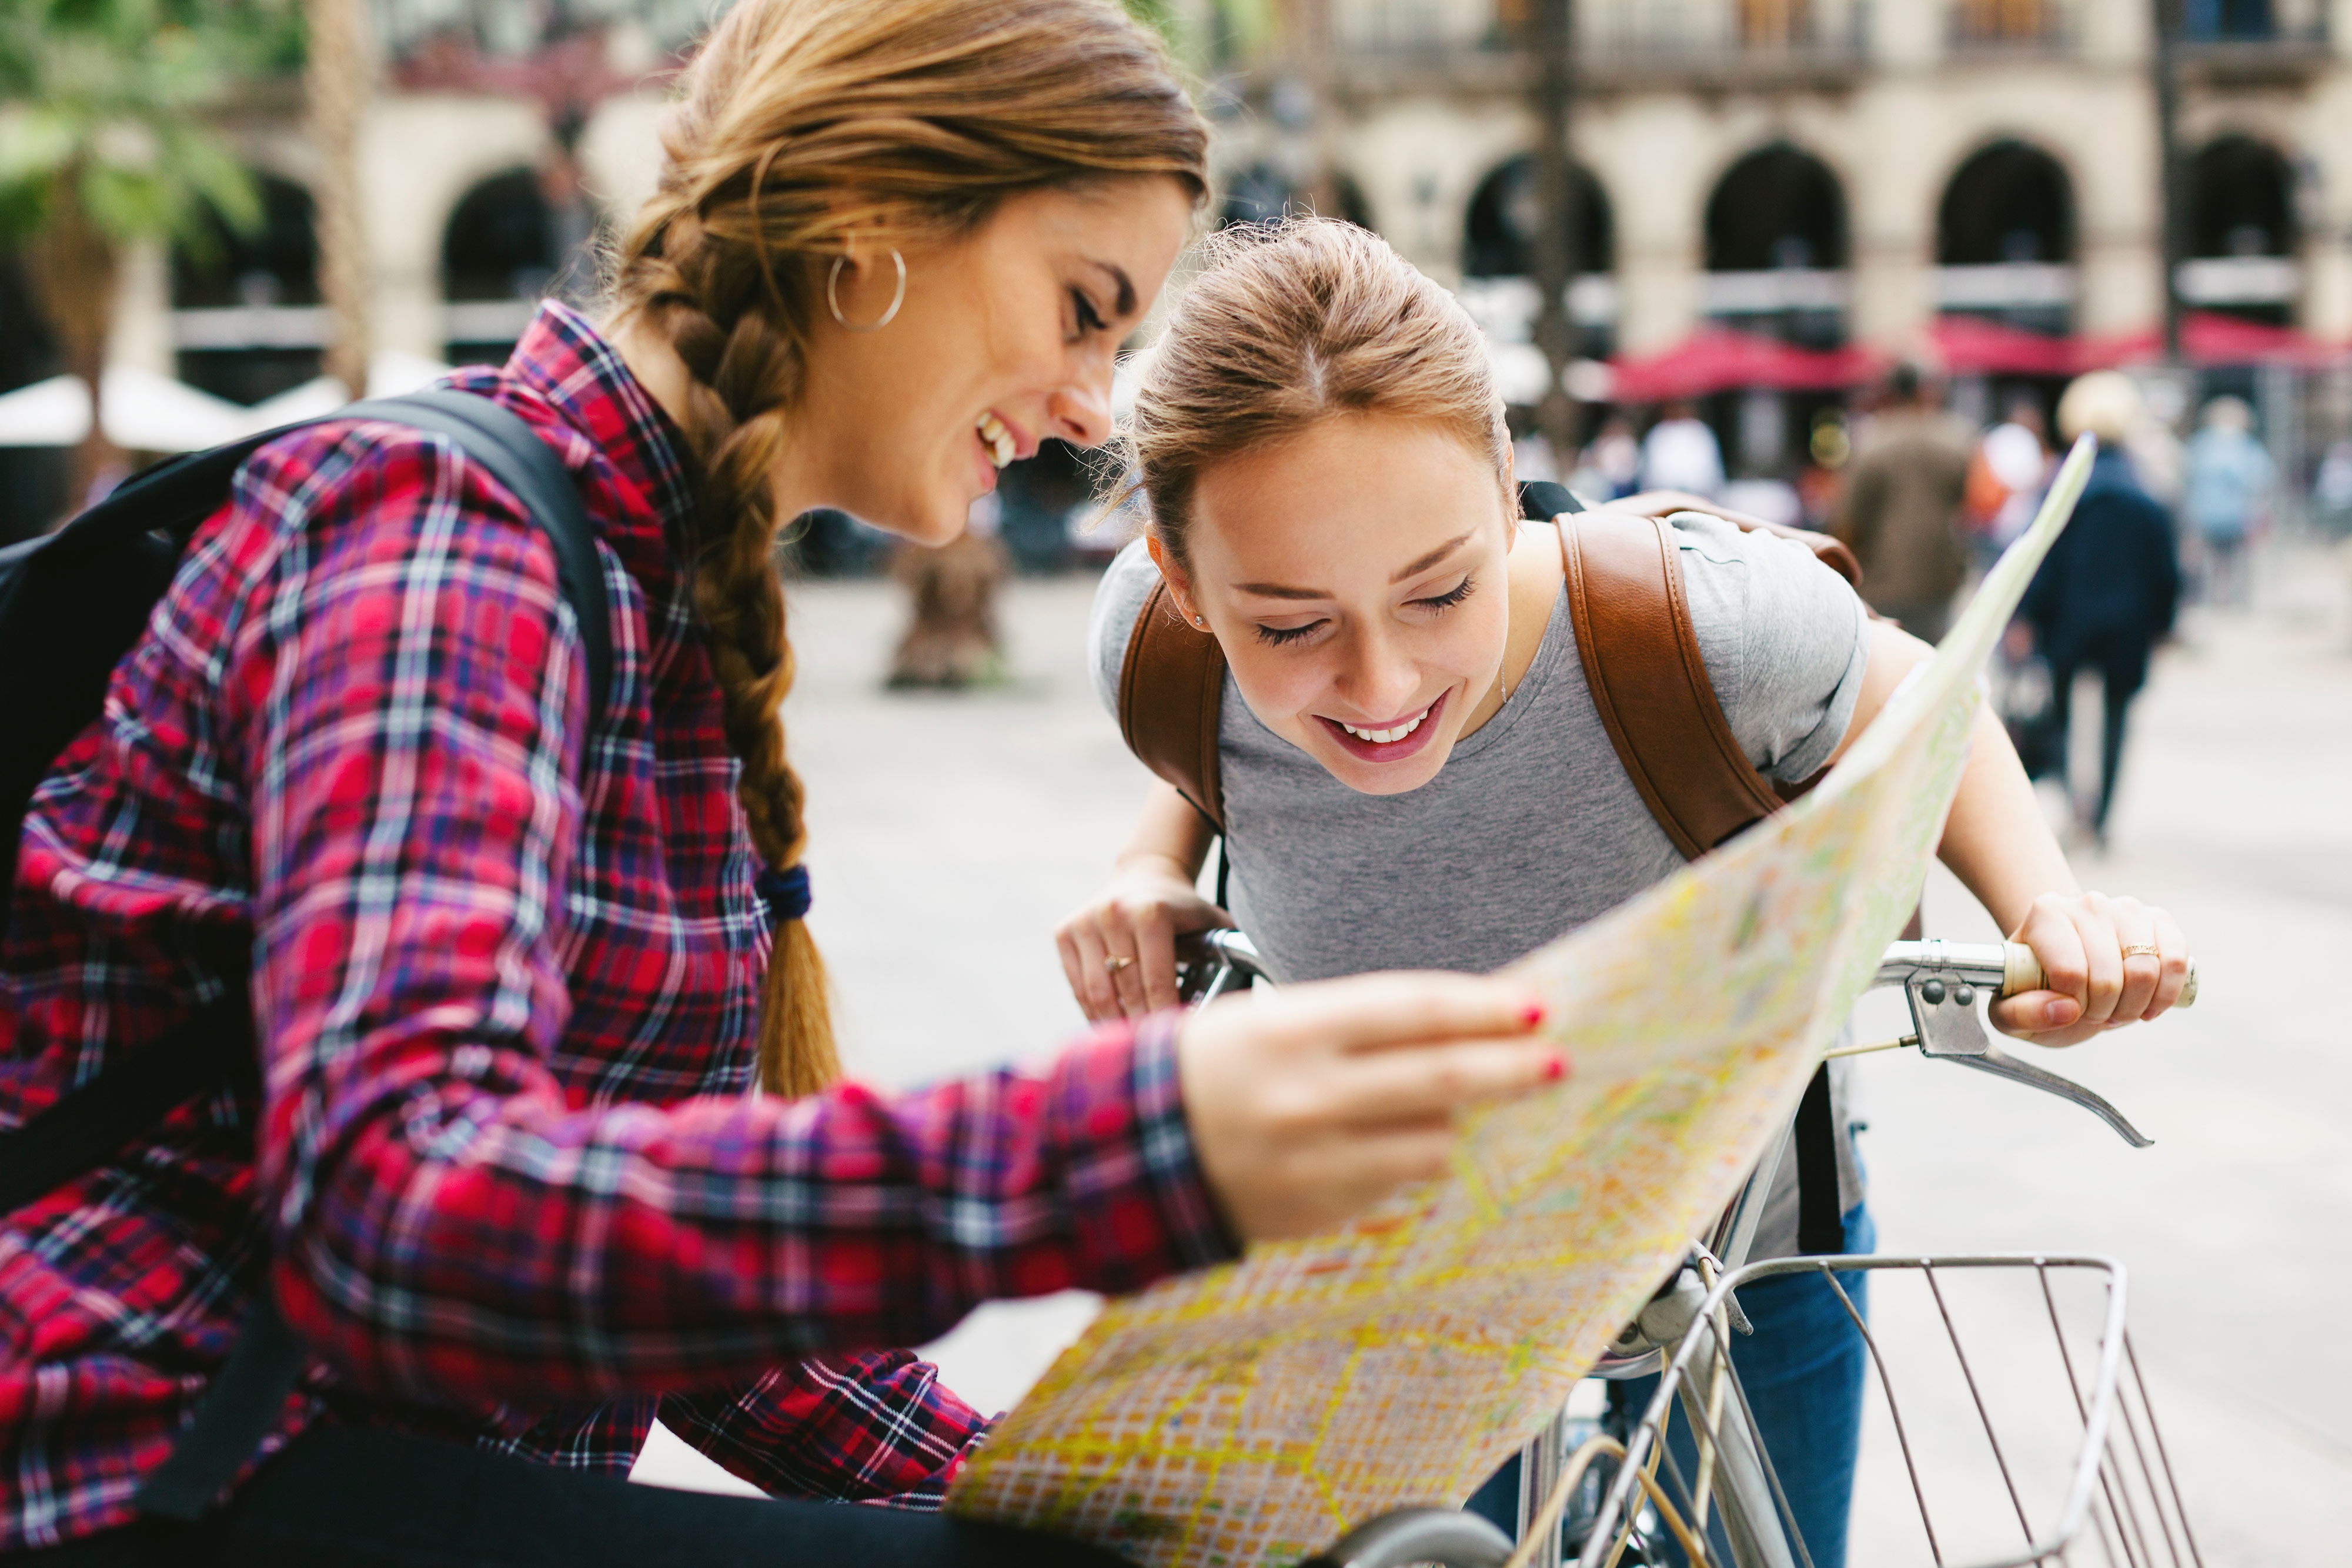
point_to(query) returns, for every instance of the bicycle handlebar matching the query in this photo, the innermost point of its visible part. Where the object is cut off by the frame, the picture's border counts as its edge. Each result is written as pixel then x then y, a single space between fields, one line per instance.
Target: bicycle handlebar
pixel 1940 981
pixel 2006 969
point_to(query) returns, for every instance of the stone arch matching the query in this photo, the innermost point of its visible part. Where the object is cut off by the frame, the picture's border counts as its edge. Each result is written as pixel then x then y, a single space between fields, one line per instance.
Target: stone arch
pixel 2241 199
pixel 1498 236
pixel 1498 230
pixel 1777 206
pixel 2239 230
pixel 1260 193
pixel 247 323
pixel 502 250
pixel 499 241
pixel 1777 242
pixel 2010 202
pixel 277 263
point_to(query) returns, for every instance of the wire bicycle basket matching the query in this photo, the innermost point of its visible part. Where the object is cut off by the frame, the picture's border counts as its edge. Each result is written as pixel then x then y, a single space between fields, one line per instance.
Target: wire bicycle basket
pixel 2044 1452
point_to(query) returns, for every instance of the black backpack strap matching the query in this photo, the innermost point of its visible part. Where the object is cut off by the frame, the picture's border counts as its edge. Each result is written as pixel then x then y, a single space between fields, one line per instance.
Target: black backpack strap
pixel 500 441
pixel 1541 500
pixel 90 1124
pixel 1821 1224
pixel 240 1409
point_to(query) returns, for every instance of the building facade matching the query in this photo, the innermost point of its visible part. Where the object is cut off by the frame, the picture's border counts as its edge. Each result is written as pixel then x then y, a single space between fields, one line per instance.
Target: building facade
pixel 1823 171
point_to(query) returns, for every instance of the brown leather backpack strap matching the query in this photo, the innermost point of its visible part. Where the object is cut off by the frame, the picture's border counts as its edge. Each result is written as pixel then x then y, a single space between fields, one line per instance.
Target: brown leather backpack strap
pixel 1634 631
pixel 1831 552
pixel 1172 685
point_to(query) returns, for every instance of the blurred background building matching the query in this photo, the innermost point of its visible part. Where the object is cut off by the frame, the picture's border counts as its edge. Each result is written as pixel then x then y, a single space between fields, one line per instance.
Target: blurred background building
pixel 1767 204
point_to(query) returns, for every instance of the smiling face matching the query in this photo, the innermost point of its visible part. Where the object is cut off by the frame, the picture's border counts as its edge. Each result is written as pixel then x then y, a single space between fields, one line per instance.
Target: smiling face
pixel 1005 340
pixel 1357 578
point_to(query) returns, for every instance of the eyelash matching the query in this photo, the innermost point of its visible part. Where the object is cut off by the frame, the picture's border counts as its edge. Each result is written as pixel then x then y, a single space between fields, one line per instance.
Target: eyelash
pixel 1281 636
pixel 1453 597
pixel 1089 319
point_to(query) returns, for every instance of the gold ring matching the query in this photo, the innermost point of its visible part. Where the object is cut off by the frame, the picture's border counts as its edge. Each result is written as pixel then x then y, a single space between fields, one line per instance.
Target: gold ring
pixel 1116 962
pixel 2143 950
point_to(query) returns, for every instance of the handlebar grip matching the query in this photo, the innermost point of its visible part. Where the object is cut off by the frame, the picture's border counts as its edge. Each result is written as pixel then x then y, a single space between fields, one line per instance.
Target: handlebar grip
pixel 2021 971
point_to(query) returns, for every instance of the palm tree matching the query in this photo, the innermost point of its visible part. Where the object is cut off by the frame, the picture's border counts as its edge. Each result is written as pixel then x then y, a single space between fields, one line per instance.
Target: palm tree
pixel 104 145
pixel 337 87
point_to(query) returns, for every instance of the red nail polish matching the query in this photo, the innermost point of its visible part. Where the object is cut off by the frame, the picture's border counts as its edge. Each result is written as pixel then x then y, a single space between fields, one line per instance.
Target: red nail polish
pixel 1533 1015
pixel 1555 1069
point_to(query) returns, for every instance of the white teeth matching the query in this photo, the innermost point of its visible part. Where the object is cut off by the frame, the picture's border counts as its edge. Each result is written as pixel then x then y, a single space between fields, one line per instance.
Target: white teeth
pixel 999 439
pixel 1382 737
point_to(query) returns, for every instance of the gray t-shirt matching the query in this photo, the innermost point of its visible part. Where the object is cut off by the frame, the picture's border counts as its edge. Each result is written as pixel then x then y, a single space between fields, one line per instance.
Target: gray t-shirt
pixel 1531 828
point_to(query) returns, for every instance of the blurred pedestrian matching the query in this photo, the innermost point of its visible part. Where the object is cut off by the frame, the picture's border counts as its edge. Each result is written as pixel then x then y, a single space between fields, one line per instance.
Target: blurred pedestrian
pixel 2016 455
pixel 2226 495
pixel 1612 465
pixel 1533 460
pixel 1681 454
pixel 2107 592
pixel 1903 510
pixel 2331 488
pixel 2157 452
pixel 951 640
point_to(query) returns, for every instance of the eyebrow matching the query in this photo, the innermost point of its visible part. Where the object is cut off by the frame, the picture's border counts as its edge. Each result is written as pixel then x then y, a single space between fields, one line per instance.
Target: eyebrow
pixel 1126 305
pixel 1433 557
pixel 1277 590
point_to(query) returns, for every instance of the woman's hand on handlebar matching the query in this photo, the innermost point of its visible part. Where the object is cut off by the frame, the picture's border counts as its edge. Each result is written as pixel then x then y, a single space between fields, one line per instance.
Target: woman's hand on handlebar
pixel 1149 904
pixel 1310 1103
pixel 2106 962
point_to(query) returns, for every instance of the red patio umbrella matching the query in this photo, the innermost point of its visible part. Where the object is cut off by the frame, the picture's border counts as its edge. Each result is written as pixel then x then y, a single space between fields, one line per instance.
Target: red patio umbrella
pixel 1718 359
pixel 1974 345
pixel 2209 337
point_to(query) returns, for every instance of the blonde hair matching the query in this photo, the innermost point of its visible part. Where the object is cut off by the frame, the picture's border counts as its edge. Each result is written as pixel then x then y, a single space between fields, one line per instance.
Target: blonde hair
pixel 2105 403
pixel 812 130
pixel 1289 324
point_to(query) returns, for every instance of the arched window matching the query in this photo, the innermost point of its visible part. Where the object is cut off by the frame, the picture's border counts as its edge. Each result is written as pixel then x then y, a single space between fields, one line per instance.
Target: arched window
pixel 505 249
pixel 32 478
pixel 2240 231
pixel 2005 239
pixel 246 317
pixel 1498 242
pixel 1776 247
pixel 1498 238
pixel 1260 194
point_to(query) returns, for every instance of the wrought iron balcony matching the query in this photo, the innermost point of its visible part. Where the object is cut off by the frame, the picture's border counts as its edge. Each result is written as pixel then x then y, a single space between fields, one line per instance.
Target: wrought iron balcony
pixel 2007 29
pixel 1620 43
pixel 1731 42
pixel 2254 41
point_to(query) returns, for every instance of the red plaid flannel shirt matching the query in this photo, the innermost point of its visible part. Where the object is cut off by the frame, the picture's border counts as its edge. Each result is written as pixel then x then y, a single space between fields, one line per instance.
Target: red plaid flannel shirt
pixel 504 1177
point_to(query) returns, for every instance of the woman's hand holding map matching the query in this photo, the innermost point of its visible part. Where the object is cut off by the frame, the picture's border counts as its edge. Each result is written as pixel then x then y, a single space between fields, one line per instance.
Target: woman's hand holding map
pixel 1310 1103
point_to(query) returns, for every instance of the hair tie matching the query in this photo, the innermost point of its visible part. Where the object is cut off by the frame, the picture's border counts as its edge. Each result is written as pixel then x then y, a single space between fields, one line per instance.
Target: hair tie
pixel 785 892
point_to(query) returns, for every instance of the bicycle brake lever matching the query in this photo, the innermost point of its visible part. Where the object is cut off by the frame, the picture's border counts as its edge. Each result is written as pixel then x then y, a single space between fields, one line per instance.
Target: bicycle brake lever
pixel 2000 1064
pixel 1944 1014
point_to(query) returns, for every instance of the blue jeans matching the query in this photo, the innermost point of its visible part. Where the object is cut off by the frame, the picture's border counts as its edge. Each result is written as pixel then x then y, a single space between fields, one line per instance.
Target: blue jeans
pixel 1803 1370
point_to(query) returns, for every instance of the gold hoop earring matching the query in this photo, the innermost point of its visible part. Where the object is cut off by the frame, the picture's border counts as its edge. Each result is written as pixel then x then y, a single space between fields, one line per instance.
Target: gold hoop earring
pixel 833 296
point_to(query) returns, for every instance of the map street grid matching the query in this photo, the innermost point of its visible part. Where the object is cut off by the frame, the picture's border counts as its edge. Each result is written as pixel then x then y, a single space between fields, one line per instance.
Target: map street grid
pixel 1254 1412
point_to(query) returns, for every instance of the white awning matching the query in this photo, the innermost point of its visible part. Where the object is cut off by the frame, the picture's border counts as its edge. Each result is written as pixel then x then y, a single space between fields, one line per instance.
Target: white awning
pixel 148 412
pixel 54 413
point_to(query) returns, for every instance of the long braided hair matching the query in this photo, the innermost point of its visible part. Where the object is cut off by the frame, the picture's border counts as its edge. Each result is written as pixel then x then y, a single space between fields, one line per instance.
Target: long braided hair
pixel 817 129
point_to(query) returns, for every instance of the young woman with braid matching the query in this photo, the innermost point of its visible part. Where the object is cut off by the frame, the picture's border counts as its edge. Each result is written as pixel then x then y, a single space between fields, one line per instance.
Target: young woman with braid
pixel 503 1179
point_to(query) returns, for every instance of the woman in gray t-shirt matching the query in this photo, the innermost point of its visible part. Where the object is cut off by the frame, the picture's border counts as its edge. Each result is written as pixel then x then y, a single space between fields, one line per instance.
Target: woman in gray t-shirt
pixel 1413 771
